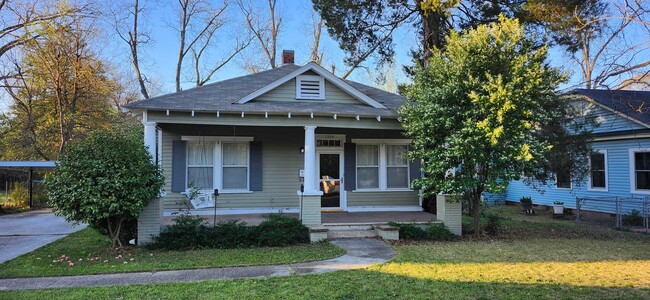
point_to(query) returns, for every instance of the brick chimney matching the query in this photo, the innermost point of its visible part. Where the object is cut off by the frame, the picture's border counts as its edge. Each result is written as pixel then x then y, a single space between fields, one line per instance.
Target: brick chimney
pixel 287 57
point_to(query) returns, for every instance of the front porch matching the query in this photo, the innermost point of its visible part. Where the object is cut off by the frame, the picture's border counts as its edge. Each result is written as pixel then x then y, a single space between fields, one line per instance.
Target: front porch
pixel 334 218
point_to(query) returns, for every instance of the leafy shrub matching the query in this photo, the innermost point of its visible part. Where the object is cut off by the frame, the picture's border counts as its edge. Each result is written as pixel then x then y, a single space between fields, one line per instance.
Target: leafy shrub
pixel 229 234
pixel 633 219
pixel 432 232
pixel 190 232
pixel 105 180
pixel 186 233
pixel 410 231
pixel 493 226
pixel 526 200
pixel 279 230
pixel 439 232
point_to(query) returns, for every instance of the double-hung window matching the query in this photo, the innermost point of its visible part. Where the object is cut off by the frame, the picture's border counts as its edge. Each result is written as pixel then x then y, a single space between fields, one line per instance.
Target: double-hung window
pixel 218 162
pixel 598 170
pixel 200 164
pixel 235 166
pixel 640 171
pixel 382 166
pixel 367 166
pixel 397 167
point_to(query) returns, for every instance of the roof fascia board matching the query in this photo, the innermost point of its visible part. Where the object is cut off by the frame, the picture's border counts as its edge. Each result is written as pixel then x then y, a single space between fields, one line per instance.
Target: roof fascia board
pixel 320 71
pixel 589 99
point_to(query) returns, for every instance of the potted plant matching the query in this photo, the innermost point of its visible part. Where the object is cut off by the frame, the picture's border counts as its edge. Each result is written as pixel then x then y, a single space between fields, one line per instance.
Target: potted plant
pixel 526 204
pixel 558 207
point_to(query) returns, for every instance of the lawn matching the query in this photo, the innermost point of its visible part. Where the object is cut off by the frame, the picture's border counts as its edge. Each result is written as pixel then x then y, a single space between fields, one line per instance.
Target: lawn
pixel 86 252
pixel 534 257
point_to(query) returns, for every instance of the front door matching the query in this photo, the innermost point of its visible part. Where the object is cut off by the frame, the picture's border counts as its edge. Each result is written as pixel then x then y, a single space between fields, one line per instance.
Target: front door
pixel 330 172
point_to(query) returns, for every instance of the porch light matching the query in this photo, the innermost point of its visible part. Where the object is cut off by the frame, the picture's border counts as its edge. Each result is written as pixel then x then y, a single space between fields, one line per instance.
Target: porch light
pixel 302 150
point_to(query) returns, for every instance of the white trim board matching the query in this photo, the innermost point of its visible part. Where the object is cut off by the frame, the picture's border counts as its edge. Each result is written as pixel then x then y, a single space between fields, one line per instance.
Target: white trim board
pixel 384 208
pixel 234 211
pixel 619 113
pixel 312 66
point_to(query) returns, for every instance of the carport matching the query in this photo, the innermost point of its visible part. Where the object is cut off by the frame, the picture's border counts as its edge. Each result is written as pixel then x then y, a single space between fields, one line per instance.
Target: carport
pixel 29 166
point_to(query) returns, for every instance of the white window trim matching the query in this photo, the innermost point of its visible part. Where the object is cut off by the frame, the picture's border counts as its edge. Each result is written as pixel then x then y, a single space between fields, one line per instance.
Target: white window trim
pixel 383 167
pixel 321 87
pixel 188 166
pixel 563 188
pixel 248 170
pixel 633 189
pixel 217 168
pixel 599 189
pixel 378 166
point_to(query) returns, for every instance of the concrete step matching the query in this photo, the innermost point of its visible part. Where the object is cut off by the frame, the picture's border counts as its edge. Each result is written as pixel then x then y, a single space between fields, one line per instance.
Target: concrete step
pixel 339 234
pixel 336 227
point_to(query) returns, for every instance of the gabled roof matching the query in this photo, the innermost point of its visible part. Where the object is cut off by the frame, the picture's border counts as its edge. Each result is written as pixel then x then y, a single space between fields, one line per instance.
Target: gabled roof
pixel 232 95
pixel 634 105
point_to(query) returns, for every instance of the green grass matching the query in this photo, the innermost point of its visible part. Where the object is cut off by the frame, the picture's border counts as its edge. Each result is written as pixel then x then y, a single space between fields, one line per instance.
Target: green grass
pixel 534 258
pixel 90 254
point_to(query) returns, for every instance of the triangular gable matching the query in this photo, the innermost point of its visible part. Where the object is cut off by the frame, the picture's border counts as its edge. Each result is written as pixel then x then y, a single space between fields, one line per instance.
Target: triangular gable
pixel 610 120
pixel 311 66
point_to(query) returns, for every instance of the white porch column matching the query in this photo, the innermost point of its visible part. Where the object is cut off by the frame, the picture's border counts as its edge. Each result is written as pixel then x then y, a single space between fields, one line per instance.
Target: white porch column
pixel 150 138
pixel 311 203
pixel 310 160
pixel 149 221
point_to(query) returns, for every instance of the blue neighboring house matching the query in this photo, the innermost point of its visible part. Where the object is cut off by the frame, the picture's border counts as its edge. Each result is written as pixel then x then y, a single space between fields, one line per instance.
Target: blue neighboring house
pixel 620 164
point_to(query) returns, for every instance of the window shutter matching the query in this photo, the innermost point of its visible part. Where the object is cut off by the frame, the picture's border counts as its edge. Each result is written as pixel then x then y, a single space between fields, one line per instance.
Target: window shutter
pixel 415 168
pixel 350 166
pixel 256 166
pixel 179 160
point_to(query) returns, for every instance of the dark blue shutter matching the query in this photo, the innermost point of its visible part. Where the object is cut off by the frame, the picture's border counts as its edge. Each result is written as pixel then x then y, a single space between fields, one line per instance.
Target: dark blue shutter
pixel 350 153
pixel 256 166
pixel 415 168
pixel 179 160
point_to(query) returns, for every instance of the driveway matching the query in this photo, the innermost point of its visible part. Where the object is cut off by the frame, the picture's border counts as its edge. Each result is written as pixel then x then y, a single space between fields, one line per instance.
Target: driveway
pixel 22 233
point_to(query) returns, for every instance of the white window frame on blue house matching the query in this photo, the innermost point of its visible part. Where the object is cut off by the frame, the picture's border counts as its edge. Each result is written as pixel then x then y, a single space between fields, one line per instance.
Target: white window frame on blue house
pixel 217 161
pixel 633 188
pixel 564 188
pixel 589 181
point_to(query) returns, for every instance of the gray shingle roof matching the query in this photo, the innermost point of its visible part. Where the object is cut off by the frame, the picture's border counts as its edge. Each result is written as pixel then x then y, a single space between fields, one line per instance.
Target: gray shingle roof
pixel 223 95
pixel 635 104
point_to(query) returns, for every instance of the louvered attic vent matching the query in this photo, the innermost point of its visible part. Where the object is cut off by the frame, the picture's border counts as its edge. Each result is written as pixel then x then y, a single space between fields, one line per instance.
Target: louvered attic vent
pixel 310 87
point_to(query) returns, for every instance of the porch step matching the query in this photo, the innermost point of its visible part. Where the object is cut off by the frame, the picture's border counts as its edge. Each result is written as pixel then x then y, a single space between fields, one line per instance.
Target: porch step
pixel 342 234
pixel 338 231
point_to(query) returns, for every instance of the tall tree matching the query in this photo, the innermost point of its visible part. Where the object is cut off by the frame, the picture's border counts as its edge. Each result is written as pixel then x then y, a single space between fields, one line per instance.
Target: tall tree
pixel 265 29
pixel 480 113
pixel 127 27
pixel 316 55
pixel 17 17
pixel 61 92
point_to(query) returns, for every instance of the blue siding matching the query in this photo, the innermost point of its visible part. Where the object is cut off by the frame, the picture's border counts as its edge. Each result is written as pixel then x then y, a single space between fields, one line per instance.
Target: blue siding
pixel 609 121
pixel 618 178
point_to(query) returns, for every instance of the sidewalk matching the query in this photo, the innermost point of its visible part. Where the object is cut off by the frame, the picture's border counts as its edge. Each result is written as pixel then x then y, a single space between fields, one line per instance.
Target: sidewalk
pixel 361 253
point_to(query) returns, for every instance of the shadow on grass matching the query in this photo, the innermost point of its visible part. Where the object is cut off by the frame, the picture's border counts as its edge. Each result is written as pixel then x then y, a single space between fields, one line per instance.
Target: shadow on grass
pixel 360 284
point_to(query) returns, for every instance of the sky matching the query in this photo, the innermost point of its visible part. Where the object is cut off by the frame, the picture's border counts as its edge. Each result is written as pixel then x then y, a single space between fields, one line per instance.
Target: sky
pixel 158 59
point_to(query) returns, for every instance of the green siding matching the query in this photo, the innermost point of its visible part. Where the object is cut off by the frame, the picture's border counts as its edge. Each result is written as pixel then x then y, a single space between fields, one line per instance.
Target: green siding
pixel 383 198
pixel 281 160
pixel 287 92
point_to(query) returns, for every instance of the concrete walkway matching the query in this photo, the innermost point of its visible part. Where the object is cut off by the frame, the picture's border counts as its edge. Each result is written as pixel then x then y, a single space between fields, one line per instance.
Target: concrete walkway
pixel 361 253
pixel 25 232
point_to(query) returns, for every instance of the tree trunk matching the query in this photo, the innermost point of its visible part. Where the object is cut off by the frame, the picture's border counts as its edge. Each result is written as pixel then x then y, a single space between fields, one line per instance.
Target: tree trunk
pixel 476 210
